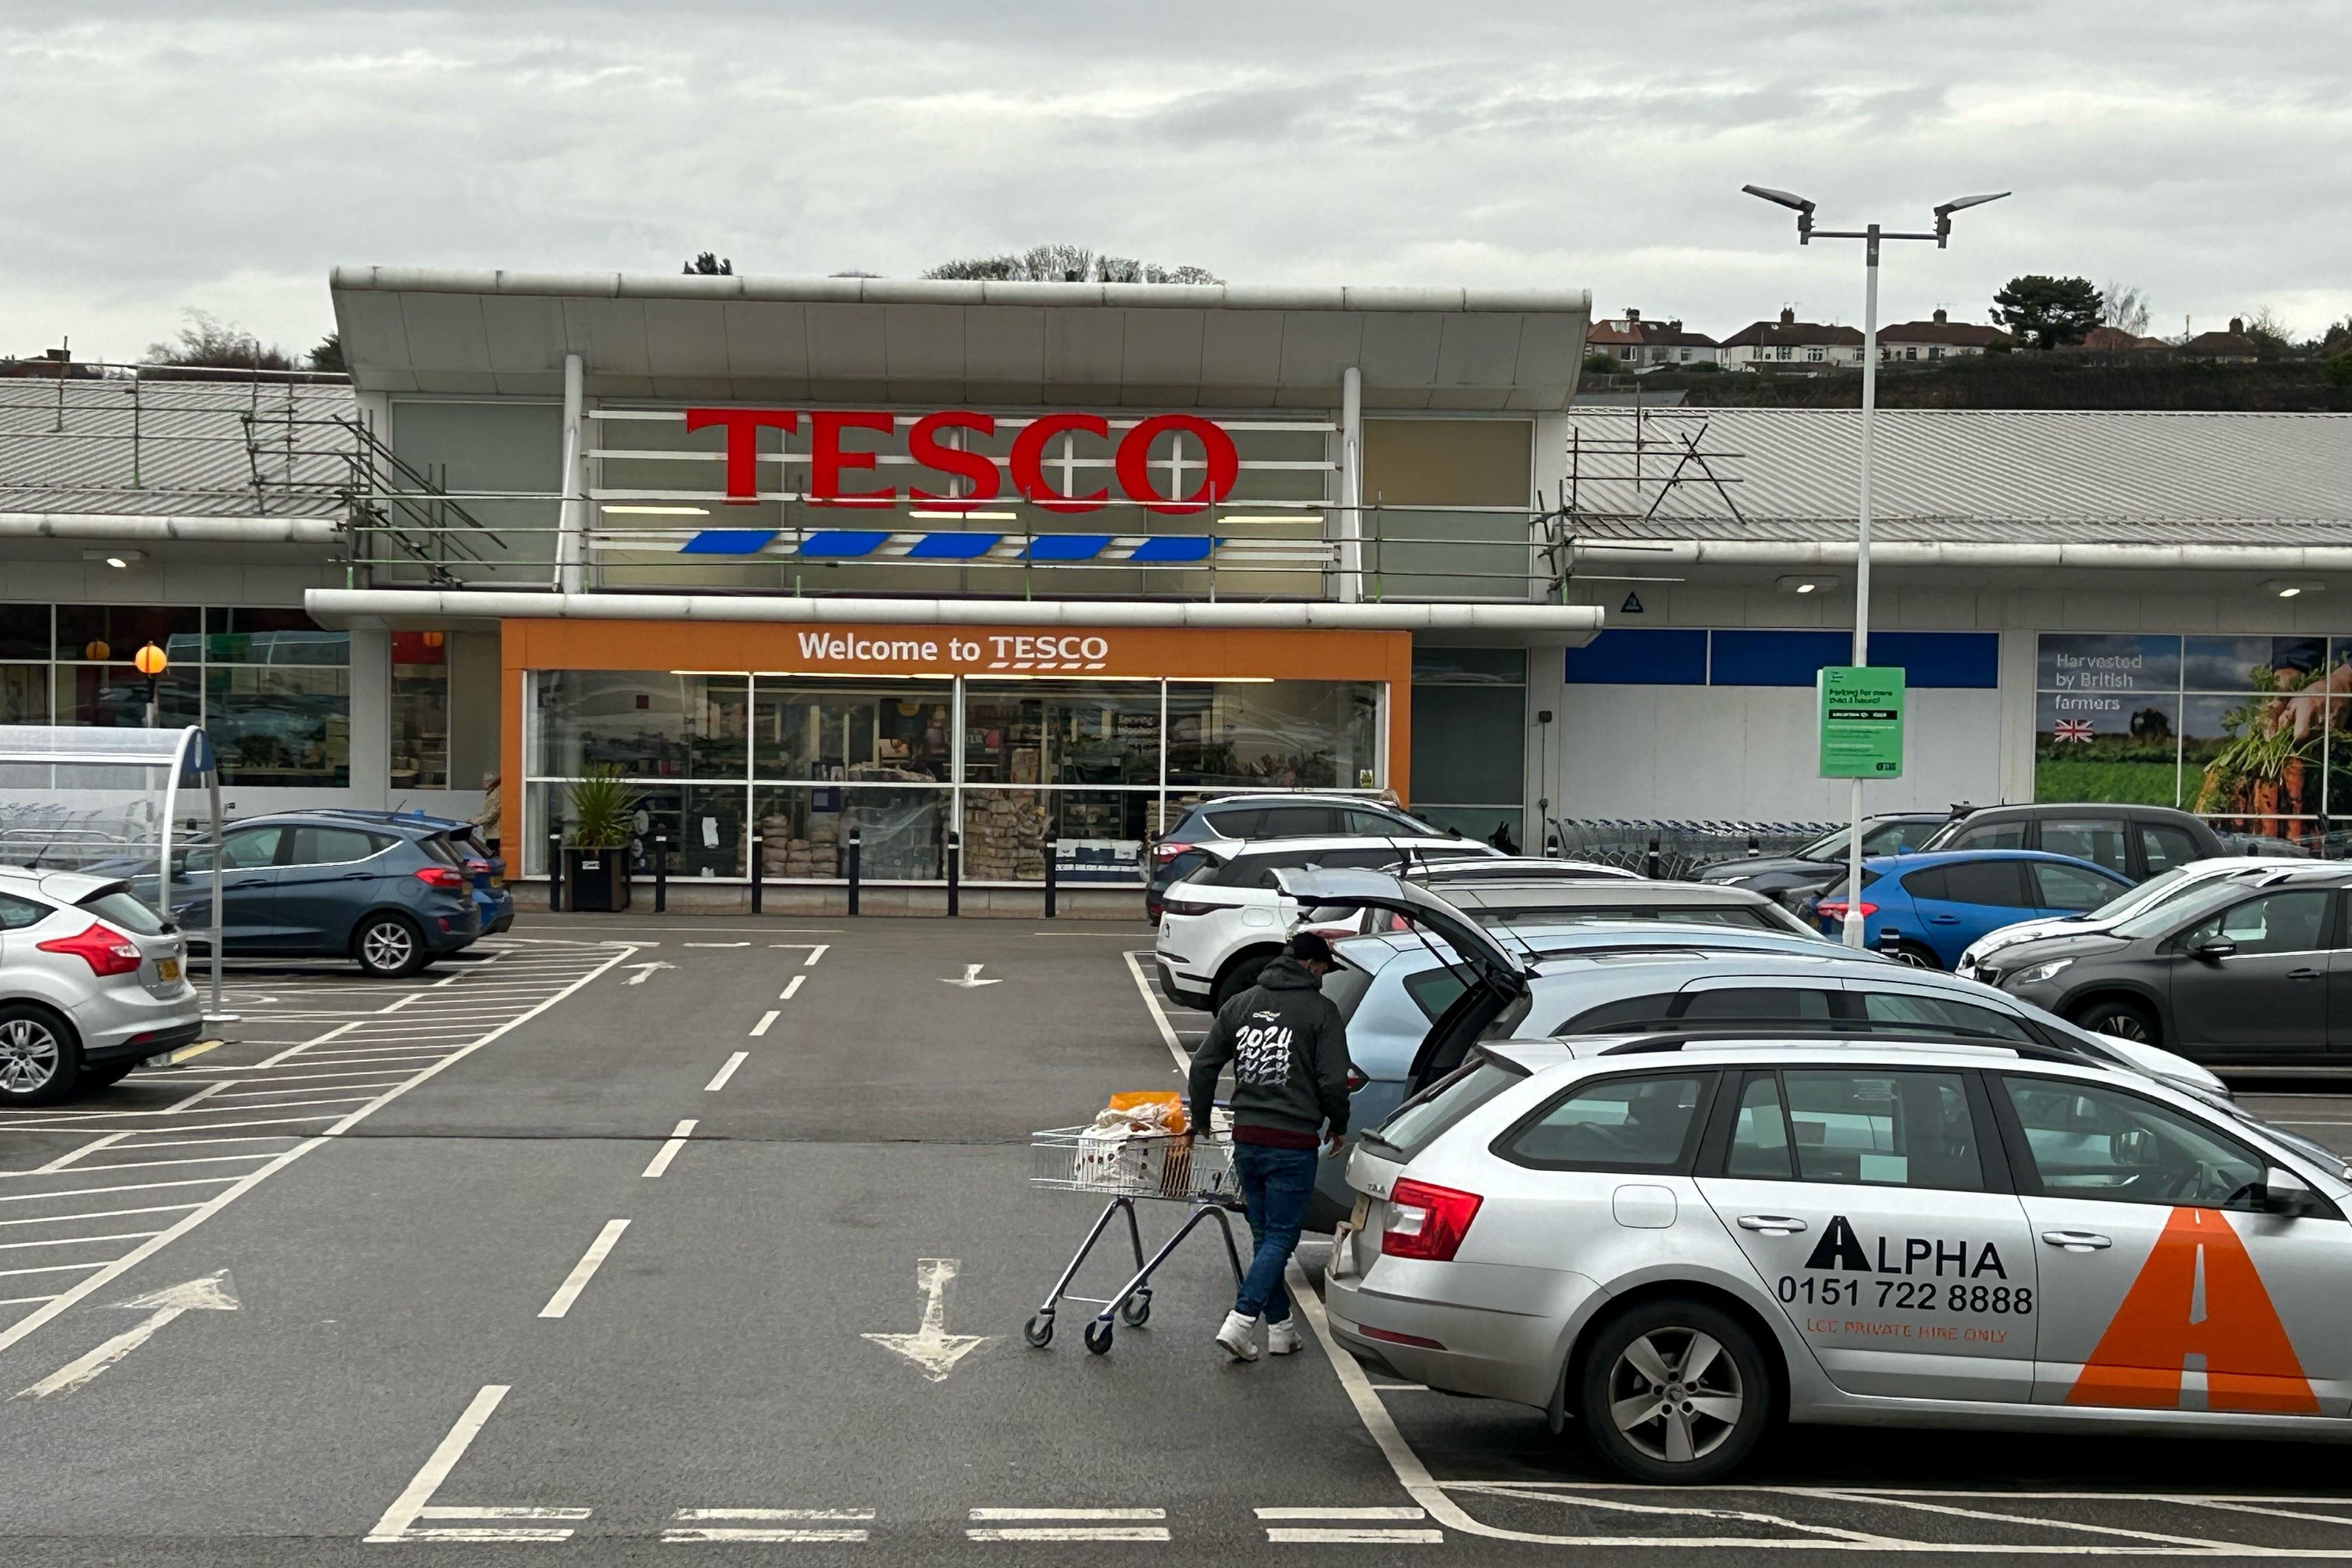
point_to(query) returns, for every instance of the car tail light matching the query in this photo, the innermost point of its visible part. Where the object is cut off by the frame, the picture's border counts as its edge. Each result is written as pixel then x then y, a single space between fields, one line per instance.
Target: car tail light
pixel 1175 906
pixel 1835 909
pixel 1427 1221
pixel 1334 933
pixel 1167 849
pixel 478 867
pixel 440 877
pixel 105 950
pixel 1394 1337
pixel 1356 1078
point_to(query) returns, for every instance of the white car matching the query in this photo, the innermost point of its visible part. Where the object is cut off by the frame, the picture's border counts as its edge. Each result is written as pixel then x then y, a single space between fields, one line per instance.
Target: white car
pixel 1227 920
pixel 1673 1240
pixel 92 983
pixel 2155 891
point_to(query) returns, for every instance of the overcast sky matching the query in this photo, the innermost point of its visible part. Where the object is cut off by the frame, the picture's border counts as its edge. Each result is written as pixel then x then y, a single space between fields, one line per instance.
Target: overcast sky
pixel 224 156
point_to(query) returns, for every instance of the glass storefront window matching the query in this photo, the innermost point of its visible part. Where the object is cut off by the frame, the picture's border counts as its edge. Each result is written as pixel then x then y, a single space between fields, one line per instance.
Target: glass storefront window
pixel 649 724
pixel 24 631
pixel 853 732
pixel 276 637
pixel 420 710
pixel 112 633
pixel 115 696
pixel 1275 735
pixel 279 726
pixel 1066 733
pixel 1098 834
pixel 23 693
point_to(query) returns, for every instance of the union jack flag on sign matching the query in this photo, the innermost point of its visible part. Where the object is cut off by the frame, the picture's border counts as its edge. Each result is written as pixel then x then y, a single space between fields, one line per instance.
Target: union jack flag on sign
pixel 2073 730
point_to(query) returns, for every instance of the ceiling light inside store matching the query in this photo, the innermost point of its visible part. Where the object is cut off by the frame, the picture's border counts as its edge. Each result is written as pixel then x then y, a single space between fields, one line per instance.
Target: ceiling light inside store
pixel 659 510
pixel 121 560
pixel 966 516
pixel 2292 587
pixel 1807 584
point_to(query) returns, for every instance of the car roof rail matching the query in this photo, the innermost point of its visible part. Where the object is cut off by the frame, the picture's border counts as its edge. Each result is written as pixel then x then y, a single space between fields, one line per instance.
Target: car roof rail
pixel 1769 1032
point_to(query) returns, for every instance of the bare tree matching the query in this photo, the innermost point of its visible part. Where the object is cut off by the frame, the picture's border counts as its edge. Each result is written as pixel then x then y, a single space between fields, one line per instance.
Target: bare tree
pixel 2268 332
pixel 1066 264
pixel 2124 306
pixel 208 342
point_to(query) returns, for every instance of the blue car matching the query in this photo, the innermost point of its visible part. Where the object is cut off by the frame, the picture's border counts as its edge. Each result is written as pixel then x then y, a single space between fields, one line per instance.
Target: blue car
pixel 487 870
pixel 1935 904
pixel 391 895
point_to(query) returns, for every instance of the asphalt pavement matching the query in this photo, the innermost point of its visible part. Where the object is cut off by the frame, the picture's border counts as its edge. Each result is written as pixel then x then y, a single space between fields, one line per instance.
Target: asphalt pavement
pixel 628 1237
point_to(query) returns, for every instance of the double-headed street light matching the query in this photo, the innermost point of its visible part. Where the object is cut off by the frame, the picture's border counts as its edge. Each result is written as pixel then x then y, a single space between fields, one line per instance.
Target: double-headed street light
pixel 1871 235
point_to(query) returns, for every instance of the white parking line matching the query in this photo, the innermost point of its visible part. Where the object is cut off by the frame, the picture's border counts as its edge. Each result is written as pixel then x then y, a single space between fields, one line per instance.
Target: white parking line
pixel 102 1214
pixel 584 1271
pixel 1068 1532
pixel 766 1018
pixel 726 1072
pixel 768 1524
pixel 669 1151
pixel 790 986
pixel 415 1503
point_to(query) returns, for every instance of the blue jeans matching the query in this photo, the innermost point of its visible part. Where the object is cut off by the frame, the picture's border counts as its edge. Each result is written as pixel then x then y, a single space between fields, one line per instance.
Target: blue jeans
pixel 1276 1185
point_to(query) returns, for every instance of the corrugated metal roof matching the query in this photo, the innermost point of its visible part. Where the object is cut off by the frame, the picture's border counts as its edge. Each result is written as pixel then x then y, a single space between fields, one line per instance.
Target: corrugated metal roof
pixel 1967 475
pixel 173 448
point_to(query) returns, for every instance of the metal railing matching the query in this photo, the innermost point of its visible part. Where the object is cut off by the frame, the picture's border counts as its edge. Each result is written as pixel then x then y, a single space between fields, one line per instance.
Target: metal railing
pixel 1675 850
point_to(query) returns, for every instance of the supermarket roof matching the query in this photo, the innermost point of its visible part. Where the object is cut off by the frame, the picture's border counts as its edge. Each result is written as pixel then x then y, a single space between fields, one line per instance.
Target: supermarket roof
pixel 851 339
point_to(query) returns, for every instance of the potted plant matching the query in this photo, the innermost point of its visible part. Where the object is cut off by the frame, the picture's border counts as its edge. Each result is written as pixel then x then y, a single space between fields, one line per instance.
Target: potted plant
pixel 596 858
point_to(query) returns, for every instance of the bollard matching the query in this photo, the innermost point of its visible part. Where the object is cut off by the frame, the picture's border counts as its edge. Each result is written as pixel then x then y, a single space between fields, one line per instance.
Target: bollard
pixel 1755 845
pixel 955 872
pixel 1890 941
pixel 1650 861
pixel 853 869
pixel 554 872
pixel 661 873
pixel 756 877
pixel 1051 883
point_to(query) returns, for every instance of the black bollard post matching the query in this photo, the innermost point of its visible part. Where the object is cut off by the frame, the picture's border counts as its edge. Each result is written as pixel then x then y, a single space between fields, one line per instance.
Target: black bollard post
pixel 1051 881
pixel 661 873
pixel 1890 941
pixel 854 857
pixel 554 872
pixel 1650 861
pixel 756 879
pixel 955 872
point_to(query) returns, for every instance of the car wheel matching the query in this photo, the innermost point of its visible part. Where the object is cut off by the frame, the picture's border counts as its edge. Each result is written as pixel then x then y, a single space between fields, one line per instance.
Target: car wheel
pixel 1674 1392
pixel 1917 956
pixel 1238 978
pixel 2124 1020
pixel 389 946
pixel 40 1060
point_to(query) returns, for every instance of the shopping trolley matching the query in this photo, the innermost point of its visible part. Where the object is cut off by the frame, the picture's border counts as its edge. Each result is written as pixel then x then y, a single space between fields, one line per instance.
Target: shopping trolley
pixel 1129 1167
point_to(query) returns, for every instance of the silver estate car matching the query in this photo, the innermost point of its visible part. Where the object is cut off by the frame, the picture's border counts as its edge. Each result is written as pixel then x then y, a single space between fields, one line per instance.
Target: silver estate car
pixel 1674 1241
pixel 91 984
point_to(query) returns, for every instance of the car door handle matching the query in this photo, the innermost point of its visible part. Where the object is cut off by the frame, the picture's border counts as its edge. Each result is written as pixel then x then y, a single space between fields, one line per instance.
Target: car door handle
pixel 2303 974
pixel 1772 1224
pixel 249 882
pixel 1943 919
pixel 2077 1240
pixel 358 876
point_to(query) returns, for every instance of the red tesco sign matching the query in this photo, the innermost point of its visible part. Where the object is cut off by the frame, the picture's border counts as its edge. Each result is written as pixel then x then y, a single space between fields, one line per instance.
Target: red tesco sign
pixel 830 460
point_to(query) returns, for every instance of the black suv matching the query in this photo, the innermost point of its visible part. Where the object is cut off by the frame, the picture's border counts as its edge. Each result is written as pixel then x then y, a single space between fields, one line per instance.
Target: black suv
pixel 2135 841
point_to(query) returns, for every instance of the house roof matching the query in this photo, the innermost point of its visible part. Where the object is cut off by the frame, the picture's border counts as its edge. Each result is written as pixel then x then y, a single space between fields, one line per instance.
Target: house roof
pixel 1962 334
pixel 1655 335
pixel 2115 339
pixel 1975 474
pixel 853 338
pixel 69 447
pixel 1799 333
pixel 2231 343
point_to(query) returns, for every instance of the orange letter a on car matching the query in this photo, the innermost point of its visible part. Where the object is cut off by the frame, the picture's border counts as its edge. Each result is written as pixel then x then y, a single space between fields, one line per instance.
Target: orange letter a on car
pixel 2250 1365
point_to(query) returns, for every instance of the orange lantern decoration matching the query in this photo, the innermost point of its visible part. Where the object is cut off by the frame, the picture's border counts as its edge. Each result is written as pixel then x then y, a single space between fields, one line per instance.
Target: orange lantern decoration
pixel 432 640
pixel 151 661
pixel 95 651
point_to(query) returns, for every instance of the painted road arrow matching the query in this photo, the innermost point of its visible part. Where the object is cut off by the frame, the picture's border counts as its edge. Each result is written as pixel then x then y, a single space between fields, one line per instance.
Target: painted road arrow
pixel 971 977
pixel 645 972
pixel 931 1347
pixel 212 1293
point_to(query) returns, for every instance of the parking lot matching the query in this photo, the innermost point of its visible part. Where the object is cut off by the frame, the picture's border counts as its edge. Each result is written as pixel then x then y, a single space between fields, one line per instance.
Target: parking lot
pixel 620 1235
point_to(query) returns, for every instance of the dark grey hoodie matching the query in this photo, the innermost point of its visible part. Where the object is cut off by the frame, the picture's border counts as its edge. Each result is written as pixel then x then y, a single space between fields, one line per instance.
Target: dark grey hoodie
pixel 1289 1051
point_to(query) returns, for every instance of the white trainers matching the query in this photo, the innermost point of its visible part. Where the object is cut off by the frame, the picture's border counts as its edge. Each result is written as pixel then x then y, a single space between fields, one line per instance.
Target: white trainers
pixel 1283 1338
pixel 1236 1336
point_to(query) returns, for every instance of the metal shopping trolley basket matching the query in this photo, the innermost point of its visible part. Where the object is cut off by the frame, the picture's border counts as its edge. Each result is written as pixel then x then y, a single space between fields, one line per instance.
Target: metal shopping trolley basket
pixel 1128 1167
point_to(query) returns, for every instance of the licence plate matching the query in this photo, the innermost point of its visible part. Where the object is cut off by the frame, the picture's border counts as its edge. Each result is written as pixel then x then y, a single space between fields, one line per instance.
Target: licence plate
pixel 167 970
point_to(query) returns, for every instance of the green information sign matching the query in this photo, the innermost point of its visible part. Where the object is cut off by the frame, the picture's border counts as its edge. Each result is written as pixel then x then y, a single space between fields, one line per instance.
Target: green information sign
pixel 1861 712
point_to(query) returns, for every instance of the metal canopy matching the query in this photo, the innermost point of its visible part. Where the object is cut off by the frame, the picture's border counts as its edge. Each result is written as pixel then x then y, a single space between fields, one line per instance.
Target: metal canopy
pixel 888 340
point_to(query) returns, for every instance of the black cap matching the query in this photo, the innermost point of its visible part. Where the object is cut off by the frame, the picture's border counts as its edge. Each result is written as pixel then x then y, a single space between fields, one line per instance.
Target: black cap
pixel 1308 947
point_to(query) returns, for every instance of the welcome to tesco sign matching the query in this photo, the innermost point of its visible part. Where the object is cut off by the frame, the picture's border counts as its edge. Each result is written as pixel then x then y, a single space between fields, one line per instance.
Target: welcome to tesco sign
pixel 830 460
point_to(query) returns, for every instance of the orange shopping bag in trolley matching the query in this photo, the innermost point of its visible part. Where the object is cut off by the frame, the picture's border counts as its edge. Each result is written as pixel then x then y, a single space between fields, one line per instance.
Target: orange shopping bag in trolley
pixel 1171 1119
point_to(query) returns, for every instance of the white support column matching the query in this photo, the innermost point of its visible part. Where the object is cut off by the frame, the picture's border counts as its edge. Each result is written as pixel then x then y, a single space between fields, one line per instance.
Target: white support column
pixel 1351 486
pixel 570 540
pixel 371 734
pixel 1548 474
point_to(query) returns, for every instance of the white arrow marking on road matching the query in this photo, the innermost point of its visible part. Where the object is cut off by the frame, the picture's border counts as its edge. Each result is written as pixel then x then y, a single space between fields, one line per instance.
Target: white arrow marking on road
pixel 971 977
pixel 931 1347
pixel 645 972
pixel 213 1293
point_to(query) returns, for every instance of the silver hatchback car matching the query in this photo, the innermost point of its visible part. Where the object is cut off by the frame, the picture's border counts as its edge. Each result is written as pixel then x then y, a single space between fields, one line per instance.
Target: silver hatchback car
pixel 1676 1240
pixel 91 984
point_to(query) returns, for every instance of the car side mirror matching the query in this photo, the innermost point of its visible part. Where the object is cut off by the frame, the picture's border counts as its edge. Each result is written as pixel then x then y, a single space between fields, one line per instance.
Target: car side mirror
pixel 2288 1195
pixel 2213 950
pixel 2133 1148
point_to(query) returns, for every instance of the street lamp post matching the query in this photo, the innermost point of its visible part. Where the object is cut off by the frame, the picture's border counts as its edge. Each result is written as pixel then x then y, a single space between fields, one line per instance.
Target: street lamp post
pixel 1869 237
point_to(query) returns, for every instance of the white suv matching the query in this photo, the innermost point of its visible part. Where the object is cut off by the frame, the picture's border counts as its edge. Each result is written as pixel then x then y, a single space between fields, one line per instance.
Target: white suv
pixel 1226 919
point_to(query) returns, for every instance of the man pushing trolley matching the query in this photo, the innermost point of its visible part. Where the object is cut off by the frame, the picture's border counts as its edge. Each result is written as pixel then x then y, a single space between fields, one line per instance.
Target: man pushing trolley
pixel 1288 1047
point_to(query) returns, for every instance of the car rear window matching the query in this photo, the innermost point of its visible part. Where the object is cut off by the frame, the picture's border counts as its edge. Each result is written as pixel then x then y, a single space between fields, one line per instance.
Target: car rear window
pixel 1346 985
pixel 1418 1121
pixel 437 846
pixel 1434 990
pixel 127 914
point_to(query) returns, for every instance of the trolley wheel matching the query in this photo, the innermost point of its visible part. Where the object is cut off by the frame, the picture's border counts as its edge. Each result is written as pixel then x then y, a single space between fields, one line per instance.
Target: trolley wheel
pixel 1136 1310
pixel 1098 1337
pixel 1038 1331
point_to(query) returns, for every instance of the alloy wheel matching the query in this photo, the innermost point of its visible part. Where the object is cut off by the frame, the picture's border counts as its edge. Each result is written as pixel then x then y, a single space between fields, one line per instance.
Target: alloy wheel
pixel 388 946
pixel 1675 1395
pixel 29 1056
pixel 2126 1026
pixel 1914 958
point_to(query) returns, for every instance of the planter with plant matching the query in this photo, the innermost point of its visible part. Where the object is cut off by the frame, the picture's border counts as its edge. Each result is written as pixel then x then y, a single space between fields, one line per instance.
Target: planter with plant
pixel 596 851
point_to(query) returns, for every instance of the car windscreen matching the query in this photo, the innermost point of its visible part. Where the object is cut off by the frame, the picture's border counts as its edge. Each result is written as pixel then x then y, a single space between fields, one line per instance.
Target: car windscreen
pixel 118 908
pixel 2186 910
pixel 1417 1122
pixel 2147 895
